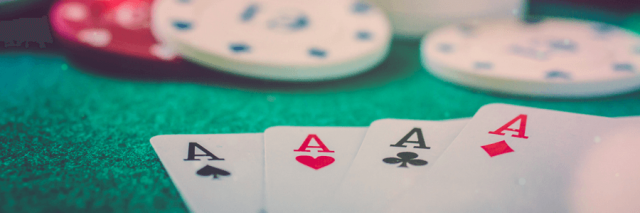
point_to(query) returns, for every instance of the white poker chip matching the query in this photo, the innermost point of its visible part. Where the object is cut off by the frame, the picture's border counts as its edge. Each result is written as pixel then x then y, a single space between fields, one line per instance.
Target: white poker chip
pixel 550 58
pixel 291 40
pixel 412 19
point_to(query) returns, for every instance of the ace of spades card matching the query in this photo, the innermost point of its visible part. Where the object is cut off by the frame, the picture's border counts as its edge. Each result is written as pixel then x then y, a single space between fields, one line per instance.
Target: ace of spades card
pixel 392 156
pixel 519 159
pixel 304 165
pixel 215 173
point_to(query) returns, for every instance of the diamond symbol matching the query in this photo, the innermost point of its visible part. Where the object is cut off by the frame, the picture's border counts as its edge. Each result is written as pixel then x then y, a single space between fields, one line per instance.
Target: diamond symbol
pixel 497 148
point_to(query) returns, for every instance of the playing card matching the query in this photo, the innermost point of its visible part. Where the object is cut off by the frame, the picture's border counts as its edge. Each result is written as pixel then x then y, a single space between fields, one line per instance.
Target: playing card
pixel 519 159
pixel 215 173
pixel 304 165
pixel 392 156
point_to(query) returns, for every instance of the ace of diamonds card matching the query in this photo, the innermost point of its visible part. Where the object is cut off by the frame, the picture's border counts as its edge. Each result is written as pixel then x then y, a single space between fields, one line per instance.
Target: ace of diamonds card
pixel 519 159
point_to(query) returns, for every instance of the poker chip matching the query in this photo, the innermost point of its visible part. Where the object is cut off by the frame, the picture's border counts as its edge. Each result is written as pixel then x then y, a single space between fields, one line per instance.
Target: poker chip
pixel 548 58
pixel 285 40
pixel 412 19
pixel 119 27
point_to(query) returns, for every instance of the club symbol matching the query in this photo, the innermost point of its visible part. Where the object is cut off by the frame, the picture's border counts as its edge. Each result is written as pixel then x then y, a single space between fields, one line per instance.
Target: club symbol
pixel 405 157
pixel 210 170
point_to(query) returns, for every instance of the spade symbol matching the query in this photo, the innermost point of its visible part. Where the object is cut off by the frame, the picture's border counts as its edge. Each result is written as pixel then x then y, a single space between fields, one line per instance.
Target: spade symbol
pixel 404 158
pixel 210 170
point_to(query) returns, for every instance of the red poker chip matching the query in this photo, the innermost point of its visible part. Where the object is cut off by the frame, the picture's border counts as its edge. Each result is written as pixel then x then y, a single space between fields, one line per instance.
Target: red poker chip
pixel 119 27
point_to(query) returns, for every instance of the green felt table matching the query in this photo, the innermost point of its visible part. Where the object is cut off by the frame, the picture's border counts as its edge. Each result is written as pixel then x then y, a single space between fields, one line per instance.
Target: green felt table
pixel 72 139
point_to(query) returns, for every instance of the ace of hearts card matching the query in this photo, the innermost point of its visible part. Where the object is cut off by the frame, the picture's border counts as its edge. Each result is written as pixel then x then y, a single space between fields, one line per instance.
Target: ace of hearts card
pixel 305 165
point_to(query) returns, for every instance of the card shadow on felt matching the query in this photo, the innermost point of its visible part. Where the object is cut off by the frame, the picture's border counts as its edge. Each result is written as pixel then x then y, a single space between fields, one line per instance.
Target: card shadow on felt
pixel 403 60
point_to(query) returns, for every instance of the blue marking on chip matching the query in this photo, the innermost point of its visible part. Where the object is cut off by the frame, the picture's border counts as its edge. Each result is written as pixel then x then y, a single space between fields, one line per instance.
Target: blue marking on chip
pixel 637 50
pixel 184 1
pixel 239 48
pixel 363 35
pixel 624 67
pixel 249 13
pixel 555 74
pixel 315 52
pixel 299 23
pixel 445 48
pixel 603 28
pixel 529 52
pixel 483 65
pixel 290 21
pixel 563 44
pixel 182 25
pixel 361 7
pixel 466 28
pixel 532 20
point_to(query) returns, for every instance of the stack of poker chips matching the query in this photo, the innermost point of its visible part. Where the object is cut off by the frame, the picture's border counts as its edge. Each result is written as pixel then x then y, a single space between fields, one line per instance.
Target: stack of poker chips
pixel 267 39
pixel 485 46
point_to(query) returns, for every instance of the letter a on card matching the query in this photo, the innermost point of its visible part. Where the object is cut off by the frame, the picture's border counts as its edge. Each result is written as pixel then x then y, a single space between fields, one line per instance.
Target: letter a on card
pixel 405 139
pixel 305 144
pixel 191 154
pixel 304 165
pixel 521 130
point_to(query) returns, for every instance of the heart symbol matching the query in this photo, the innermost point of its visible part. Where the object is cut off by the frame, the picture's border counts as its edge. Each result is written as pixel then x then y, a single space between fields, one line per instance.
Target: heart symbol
pixel 315 163
pixel 95 37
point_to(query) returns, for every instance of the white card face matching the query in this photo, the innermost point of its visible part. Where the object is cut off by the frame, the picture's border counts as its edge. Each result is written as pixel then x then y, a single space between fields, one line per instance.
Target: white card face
pixel 305 165
pixel 519 159
pixel 391 158
pixel 215 173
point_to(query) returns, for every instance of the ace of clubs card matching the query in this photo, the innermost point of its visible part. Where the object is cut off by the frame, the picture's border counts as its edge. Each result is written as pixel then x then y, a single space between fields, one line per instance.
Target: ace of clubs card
pixel 392 156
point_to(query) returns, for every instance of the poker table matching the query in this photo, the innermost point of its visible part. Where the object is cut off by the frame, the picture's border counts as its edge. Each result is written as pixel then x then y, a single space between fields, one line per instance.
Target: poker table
pixel 76 138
